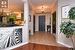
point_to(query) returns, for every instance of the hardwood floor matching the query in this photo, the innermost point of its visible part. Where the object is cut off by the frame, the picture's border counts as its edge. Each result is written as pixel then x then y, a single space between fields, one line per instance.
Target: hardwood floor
pixel 32 46
pixel 42 41
pixel 45 38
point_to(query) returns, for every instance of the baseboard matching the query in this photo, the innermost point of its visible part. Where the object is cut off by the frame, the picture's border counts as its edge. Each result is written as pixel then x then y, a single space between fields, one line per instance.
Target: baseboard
pixel 64 44
pixel 10 48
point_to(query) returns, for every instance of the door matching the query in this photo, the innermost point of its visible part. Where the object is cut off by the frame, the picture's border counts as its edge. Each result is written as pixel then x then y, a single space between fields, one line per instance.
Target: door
pixel 42 23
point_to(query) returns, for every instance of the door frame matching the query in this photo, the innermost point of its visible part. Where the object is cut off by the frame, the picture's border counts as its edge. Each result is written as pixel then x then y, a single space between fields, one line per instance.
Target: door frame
pixel 52 15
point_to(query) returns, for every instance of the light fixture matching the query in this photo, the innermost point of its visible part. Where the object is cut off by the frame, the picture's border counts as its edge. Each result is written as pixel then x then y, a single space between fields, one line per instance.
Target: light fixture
pixel 3 3
pixel 43 8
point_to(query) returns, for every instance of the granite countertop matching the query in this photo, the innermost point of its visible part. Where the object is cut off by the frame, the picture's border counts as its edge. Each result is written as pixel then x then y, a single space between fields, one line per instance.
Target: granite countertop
pixel 9 25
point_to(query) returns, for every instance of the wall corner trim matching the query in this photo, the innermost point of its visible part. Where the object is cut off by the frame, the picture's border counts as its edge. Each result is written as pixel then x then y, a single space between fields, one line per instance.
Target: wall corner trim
pixel 64 44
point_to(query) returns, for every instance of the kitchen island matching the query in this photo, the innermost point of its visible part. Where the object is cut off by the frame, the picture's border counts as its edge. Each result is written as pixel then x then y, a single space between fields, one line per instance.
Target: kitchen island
pixel 10 36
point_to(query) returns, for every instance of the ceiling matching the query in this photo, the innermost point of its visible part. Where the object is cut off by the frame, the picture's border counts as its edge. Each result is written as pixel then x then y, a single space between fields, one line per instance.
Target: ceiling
pixel 39 2
pixel 36 4
pixel 17 5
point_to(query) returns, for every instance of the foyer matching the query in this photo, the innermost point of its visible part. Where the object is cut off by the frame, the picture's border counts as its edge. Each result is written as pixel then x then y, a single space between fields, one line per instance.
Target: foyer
pixel 39 24
pixel 42 41
pixel 45 38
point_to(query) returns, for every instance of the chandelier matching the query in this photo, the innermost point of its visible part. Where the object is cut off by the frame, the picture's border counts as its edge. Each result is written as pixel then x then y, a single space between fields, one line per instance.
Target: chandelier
pixel 3 5
pixel 43 8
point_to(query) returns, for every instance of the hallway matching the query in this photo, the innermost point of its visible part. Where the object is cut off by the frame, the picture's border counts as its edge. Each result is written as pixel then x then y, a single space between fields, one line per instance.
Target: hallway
pixel 42 41
pixel 43 38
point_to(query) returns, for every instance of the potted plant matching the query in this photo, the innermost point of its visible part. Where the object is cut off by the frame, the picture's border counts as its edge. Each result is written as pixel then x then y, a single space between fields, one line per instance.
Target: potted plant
pixel 68 28
pixel 11 19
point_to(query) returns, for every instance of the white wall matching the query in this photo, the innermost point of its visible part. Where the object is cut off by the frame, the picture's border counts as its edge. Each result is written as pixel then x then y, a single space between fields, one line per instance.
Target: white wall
pixel 61 37
pixel 25 27
pixel 31 24
pixel 47 21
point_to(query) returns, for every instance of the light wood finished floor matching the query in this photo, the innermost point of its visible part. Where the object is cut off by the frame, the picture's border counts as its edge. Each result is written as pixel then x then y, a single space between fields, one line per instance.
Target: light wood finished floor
pixel 42 41
pixel 44 38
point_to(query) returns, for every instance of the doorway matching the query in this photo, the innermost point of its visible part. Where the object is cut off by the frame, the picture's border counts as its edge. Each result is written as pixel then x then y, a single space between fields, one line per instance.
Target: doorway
pixel 34 23
pixel 1 17
pixel 54 23
pixel 42 23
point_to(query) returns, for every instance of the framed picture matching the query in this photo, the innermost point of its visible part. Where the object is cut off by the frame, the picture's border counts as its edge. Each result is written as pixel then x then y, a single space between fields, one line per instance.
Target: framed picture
pixel 64 11
pixel 29 18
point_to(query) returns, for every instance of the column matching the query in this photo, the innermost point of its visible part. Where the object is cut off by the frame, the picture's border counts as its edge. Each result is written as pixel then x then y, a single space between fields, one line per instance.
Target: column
pixel 25 27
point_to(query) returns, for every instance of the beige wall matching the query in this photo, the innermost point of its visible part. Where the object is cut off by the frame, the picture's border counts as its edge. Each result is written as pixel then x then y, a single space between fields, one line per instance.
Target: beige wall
pixel 61 37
